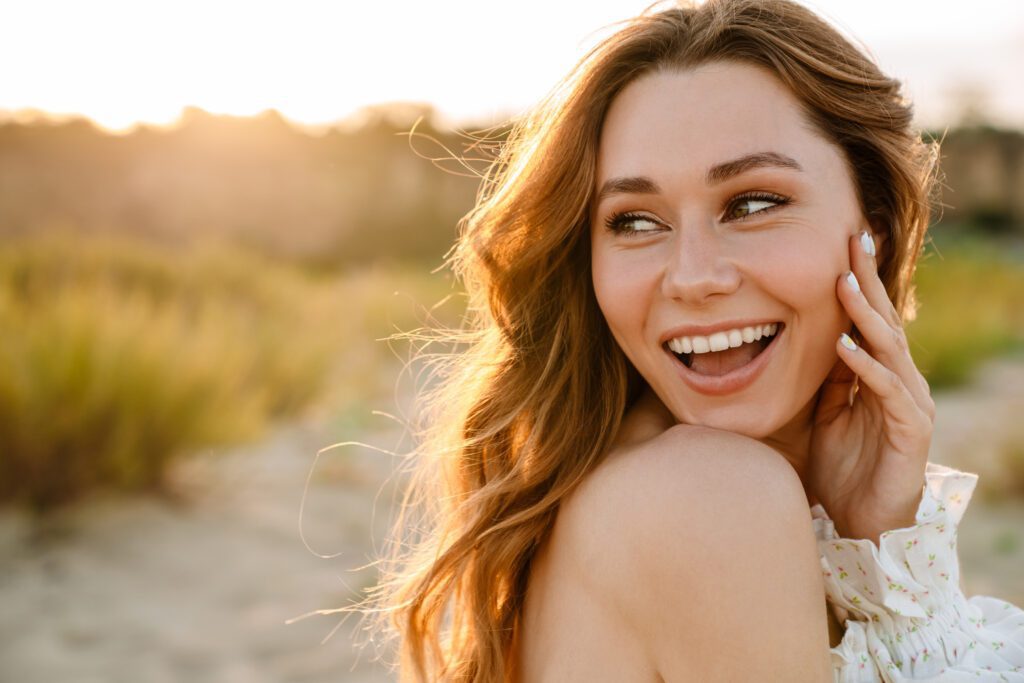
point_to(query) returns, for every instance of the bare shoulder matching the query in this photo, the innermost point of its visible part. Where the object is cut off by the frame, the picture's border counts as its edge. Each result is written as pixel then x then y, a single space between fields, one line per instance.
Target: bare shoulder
pixel 701 539
pixel 705 477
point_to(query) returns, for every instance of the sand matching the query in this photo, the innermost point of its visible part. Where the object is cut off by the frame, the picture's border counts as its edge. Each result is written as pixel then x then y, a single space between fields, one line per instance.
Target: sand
pixel 198 586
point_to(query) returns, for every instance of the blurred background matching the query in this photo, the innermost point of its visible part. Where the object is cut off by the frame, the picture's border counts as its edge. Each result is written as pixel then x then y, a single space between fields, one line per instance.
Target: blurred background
pixel 212 216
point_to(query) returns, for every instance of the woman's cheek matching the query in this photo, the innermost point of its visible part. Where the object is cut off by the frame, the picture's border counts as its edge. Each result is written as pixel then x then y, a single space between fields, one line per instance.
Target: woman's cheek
pixel 618 286
pixel 802 276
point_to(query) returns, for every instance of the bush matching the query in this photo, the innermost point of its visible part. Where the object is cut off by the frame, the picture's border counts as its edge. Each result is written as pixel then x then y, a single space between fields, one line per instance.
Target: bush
pixel 971 296
pixel 117 357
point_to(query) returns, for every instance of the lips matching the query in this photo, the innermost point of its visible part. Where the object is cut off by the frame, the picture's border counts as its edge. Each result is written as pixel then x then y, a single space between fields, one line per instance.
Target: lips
pixel 734 379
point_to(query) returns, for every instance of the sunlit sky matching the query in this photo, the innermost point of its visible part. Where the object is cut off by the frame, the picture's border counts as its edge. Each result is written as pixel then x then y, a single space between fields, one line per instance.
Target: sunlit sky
pixel 121 62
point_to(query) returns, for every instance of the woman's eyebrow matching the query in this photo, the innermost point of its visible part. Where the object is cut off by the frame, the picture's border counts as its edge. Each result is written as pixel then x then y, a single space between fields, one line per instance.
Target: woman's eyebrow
pixel 631 185
pixel 722 172
pixel 716 174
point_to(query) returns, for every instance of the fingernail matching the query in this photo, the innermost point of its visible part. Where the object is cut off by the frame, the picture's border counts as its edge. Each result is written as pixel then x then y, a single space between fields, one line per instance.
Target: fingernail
pixel 846 341
pixel 866 243
pixel 852 279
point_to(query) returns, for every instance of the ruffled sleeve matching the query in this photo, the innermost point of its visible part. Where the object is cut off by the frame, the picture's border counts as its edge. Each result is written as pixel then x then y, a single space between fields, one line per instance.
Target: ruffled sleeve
pixel 906 617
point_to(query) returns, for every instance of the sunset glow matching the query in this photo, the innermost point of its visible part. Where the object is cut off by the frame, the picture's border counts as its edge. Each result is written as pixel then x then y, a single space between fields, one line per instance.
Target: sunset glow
pixel 121 62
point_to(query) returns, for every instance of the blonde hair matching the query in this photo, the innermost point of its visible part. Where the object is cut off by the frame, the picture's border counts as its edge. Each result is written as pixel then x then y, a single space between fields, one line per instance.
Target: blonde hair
pixel 529 409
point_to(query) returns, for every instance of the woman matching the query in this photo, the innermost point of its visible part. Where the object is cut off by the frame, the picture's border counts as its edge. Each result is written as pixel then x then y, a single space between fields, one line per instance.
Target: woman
pixel 687 413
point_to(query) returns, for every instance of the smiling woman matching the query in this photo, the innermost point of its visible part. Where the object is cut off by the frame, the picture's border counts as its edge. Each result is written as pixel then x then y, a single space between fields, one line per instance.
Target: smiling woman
pixel 689 415
pixel 723 218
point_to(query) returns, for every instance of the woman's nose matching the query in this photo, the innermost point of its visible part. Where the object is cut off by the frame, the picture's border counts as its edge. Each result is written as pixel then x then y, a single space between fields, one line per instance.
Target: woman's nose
pixel 699 267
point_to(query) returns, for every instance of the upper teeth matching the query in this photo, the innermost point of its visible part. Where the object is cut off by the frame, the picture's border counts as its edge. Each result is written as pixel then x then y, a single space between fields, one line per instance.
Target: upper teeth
pixel 720 341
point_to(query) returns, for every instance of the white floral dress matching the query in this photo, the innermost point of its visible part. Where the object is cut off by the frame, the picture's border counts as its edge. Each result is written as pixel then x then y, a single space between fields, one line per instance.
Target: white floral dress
pixel 906 617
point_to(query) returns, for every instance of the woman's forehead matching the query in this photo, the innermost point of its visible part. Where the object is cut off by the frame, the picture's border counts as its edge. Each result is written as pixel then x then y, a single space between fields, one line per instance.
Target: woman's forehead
pixel 674 121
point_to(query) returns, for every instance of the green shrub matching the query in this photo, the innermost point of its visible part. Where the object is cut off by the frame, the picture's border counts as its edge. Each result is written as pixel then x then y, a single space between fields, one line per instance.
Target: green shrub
pixel 971 296
pixel 116 357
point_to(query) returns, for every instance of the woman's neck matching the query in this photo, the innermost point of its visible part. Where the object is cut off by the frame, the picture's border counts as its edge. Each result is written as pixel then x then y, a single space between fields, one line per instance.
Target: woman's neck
pixel 793 440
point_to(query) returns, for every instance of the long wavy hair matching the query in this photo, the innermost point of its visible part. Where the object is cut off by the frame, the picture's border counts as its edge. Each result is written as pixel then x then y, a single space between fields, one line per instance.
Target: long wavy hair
pixel 531 402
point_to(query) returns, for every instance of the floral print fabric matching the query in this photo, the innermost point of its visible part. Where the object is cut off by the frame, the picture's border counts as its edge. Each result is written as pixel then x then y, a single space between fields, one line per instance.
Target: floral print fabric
pixel 905 614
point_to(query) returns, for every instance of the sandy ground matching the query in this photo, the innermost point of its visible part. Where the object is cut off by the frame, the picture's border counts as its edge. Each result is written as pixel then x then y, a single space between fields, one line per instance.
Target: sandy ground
pixel 198 587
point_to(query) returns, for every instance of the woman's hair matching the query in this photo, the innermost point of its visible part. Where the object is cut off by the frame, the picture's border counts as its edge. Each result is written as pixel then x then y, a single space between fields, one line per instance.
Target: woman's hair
pixel 522 415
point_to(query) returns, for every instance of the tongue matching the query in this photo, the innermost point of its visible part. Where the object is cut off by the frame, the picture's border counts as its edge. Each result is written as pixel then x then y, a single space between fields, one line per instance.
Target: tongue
pixel 724 362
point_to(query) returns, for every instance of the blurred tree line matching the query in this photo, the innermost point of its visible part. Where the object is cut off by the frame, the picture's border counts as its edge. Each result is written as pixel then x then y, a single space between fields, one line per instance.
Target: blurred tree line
pixel 363 191
pixel 983 178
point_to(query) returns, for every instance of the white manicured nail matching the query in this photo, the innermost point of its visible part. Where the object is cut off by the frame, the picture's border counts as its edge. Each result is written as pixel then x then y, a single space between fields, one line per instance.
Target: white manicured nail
pixel 867 243
pixel 847 342
pixel 852 279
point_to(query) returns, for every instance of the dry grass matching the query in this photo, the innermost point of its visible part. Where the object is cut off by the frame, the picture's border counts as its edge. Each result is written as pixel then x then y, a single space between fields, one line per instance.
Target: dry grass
pixel 972 309
pixel 120 356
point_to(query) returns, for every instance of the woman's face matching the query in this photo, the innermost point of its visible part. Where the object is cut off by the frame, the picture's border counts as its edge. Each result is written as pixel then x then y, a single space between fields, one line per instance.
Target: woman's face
pixel 718 208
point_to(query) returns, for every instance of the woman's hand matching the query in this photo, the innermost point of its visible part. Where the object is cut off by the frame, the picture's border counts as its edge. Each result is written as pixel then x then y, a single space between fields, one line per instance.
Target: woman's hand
pixel 868 455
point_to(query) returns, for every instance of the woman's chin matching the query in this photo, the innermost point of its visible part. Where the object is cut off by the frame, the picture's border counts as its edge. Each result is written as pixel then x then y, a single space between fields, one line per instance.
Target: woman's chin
pixel 746 423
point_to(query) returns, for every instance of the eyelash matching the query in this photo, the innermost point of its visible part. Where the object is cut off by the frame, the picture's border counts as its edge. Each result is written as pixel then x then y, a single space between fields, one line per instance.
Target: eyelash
pixel 617 222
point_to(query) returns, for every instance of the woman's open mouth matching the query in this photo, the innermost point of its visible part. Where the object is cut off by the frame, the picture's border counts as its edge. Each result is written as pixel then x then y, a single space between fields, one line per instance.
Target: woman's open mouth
pixel 725 361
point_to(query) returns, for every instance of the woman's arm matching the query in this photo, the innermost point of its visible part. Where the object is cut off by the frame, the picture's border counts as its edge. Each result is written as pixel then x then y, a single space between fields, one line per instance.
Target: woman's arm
pixel 702 540
pixel 908 618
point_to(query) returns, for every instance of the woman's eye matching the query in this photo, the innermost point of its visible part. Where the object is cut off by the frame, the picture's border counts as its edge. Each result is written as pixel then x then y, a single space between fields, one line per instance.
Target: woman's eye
pixel 631 224
pixel 741 207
